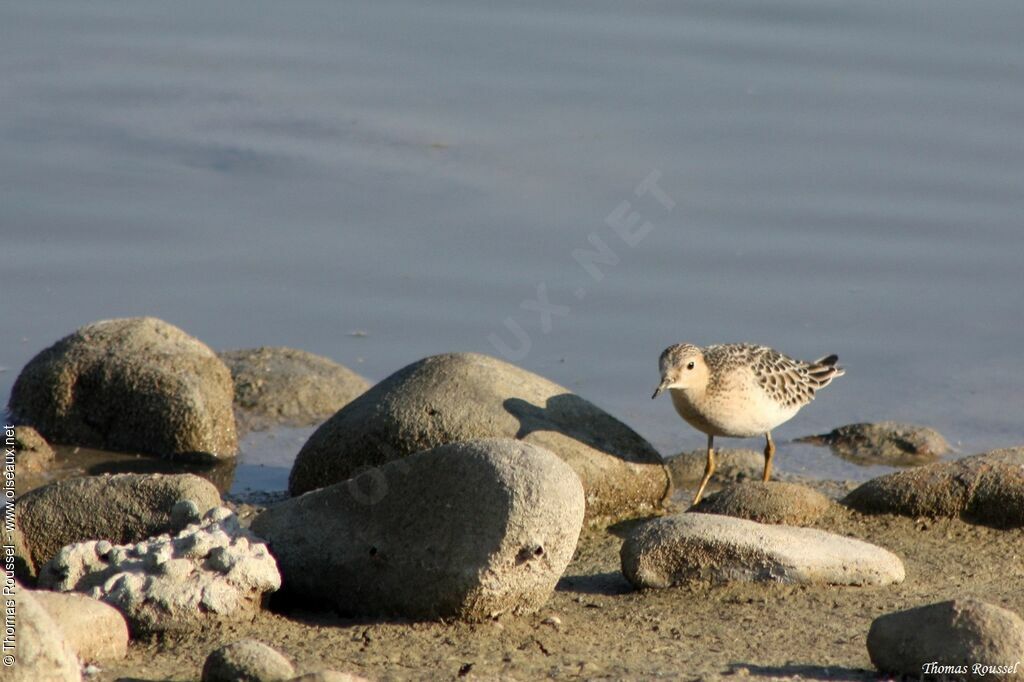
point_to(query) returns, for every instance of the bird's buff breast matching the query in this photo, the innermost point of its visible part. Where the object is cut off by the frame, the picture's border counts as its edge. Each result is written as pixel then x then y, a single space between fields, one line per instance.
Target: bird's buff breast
pixel 737 418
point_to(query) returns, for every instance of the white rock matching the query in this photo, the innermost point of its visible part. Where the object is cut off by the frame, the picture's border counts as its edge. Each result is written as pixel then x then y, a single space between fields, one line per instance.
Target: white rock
pixel 214 569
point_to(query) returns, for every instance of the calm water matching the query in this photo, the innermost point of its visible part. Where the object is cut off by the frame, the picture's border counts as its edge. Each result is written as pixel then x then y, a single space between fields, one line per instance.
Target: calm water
pixel 828 177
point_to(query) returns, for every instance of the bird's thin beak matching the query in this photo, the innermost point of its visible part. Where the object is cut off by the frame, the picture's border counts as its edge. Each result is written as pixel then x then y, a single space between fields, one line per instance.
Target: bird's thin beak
pixel 661 387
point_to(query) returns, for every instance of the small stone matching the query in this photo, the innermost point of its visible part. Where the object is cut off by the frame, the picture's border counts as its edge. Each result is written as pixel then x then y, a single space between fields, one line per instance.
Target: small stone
pixel 553 621
pixel 31 451
pixel 890 443
pixel 183 514
pixel 247 660
pixel 772 502
pixel 719 549
pixel 949 639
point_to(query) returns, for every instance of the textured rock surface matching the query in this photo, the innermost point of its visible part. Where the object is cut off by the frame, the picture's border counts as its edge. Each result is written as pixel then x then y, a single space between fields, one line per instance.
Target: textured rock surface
pixel 771 502
pixel 892 443
pixel 41 653
pixel 466 530
pixel 31 451
pixel 211 570
pixel 986 488
pixel 731 465
pixel 246 660
pixel 289 386
pixel 463 396
pixel 95 631
pixel 122 508
pixel 718 549
pixel 131 385
pixel 959 634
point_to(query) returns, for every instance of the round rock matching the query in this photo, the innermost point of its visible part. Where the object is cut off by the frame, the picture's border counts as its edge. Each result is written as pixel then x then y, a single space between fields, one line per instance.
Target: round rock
pixel 97 632
pixel 120 508
pixel 31 451
pixel 246 660
pixel 889 443
pixel 464 396
pixel 130 385
pixel 986 488
pixel 953 637
pixel 289 386
pixel 41 652
pixel 467 530
pixel 719 549
pixel 772 502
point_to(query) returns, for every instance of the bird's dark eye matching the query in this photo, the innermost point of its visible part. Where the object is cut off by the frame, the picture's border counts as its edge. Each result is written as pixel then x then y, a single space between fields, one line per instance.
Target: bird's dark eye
pixel 689 365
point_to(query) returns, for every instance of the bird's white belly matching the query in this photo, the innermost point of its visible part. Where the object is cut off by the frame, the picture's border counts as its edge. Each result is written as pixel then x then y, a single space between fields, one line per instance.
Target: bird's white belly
pixel 748 414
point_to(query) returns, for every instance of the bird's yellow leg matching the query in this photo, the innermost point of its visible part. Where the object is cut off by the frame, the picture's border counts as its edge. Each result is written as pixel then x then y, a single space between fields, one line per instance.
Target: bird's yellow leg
pixel 709 469
pixel 769 452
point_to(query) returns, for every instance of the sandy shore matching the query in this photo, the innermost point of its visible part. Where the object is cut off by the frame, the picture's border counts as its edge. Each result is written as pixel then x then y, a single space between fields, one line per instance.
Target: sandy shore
pixel 597 627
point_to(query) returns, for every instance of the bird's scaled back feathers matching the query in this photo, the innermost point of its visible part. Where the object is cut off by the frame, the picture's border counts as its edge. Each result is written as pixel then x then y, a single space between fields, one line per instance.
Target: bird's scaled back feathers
pixel 787 381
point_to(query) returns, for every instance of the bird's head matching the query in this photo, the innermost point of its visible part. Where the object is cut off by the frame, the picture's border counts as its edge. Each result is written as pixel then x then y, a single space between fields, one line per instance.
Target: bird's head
pixel 682 366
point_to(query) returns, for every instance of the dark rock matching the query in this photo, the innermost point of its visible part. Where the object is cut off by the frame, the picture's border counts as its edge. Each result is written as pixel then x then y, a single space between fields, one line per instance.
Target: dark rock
pixel 772 502
pixel 31 451
pixel 720 549
pixel 463 396
pixel 122 508
pixel 949 640
pixel 889 443
pixel 986 488
pixel 288 386
pixel 466 530
pixel 130 385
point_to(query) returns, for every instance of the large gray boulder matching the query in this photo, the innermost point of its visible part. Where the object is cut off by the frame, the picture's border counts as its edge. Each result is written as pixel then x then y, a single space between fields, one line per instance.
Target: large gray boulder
pixel 463 396
pixel 767 502
pixel 466 530
pixel 890 443
pixel 719 549
pixel 131 385
pixel 120 508
pixel 959 639
pixel 41 652
pixel 212 570
pixel 289 386
pixel 986 488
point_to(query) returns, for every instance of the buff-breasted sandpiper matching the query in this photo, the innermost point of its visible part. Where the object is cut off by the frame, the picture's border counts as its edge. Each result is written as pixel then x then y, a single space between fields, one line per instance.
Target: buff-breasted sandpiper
pixel 739 390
